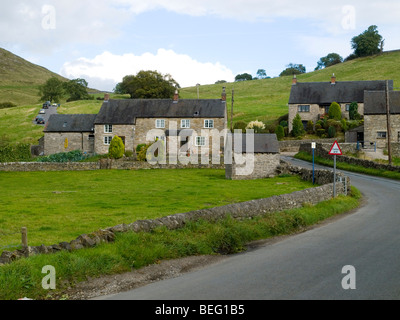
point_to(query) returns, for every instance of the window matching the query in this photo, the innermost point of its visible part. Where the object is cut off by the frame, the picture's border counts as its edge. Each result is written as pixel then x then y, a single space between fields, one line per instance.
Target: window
pixel 381 135
pixel 305 108
pixel 185 123
pixel 347 107
pixel 108 128
pixel 91 137
pixel 160 123
pixel 200 141
pixel 208 123
pixel 107 140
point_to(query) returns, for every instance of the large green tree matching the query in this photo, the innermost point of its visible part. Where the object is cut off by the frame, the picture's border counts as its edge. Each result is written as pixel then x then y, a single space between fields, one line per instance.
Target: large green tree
pixel 330 60
pixel 367 43
pixel 52 90
pixel 243 77
pixel 148 85
pixel 292 69
pixel 76 89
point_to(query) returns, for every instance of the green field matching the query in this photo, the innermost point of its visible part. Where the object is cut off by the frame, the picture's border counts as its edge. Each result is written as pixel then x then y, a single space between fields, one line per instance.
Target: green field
pixel 59 206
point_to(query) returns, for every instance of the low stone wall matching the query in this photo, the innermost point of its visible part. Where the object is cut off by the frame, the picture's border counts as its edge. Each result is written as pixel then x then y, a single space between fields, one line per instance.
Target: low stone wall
pixel 323 152
pixel 102 164
pixel 241 210
pixel 294 145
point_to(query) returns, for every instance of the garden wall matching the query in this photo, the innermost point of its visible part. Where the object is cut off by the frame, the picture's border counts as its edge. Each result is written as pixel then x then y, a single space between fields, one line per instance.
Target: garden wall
pixel 241 210
pixel 294 145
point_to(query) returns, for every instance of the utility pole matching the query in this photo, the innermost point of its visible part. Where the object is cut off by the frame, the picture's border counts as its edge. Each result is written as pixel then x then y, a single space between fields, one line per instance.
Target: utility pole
pixel 232 110
pixel 388 135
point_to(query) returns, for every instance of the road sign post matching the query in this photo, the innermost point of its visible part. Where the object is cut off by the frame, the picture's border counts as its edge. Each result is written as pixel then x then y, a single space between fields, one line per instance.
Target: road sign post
pixel 313 148
pixel 335 151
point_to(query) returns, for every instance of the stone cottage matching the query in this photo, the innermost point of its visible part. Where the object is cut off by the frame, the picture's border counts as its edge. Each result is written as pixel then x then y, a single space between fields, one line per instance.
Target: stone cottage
pixel 312 99
pixel 138 121
pixel 255 156
pixel 375 117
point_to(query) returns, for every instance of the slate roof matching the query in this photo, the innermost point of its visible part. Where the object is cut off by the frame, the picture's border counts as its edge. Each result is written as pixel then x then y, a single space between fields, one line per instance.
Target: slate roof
pixel 70 123
pixel 375 102
pixel 126 111
pixel 263 143
pixel 342 91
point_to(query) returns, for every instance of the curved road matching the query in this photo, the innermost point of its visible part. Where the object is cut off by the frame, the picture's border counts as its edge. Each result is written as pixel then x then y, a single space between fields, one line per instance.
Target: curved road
pixel 308 265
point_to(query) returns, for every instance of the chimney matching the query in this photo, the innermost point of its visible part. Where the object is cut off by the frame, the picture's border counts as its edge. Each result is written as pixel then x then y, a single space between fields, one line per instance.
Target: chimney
pixel 223 96
pixel 294 80
pixel 333 79
pixel 106 97
pixel 176 96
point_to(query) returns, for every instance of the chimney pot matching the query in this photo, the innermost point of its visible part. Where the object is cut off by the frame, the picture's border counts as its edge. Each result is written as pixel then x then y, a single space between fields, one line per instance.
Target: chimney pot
pixel 106 97
pixel 176 96
pixel 333 79
pixel 294 80
pixel 223 96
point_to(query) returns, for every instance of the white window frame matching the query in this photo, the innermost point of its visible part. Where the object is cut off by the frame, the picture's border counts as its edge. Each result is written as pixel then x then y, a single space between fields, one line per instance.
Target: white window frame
pixel 108 128
pixel 200 141
pixel 185 123
pixel 304 108
pixel 381 134
pixel 209 123
pixel 107 140
pixel 160 123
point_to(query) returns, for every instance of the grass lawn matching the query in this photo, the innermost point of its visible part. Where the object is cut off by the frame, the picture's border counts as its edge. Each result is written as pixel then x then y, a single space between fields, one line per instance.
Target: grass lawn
pixel 59 206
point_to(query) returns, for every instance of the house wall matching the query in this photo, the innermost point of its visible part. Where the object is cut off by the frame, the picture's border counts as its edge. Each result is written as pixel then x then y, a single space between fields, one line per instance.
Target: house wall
pixel 54 142
pixel 126 131
pixel 316 111
pixel 375 123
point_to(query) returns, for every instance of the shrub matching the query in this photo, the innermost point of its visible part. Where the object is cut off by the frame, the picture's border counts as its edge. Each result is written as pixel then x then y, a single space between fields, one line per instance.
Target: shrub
pixel 280 132
pixel 331 132
pixel 5 105
pixel 335 111
pixel 257 126
pixel 240 125
pixel 320 132
pixel 334 123
pixel 283 123
pixel 298 128
pixel 310 127
pixel 116 149
pixel 141 154
pixel 72 156
pixel 15 153
pixel 139 147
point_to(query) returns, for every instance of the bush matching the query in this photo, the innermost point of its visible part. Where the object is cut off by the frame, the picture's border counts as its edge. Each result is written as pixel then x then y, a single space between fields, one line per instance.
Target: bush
pixel 257 126
pixel 334 111
pixel 320 132
pixel 5 105
pixel 240 125
pixel 331 132
pixel 15 153
pixel 298 128
pixel 310 127
pixel 283 123
pixel 117 148
pixel 72 156
pixel 142 151
pixel 280 132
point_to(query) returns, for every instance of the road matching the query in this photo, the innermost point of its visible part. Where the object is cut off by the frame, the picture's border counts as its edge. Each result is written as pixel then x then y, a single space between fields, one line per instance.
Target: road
pixel 306 266
pixel 48 112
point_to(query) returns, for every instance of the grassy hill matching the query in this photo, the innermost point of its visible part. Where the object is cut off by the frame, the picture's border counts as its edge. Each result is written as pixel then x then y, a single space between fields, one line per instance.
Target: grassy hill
pixel 20 79
pixel 264 100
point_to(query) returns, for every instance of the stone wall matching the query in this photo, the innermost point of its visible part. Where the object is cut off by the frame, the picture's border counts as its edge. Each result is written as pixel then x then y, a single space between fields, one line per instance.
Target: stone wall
pixel 241 210
pixel 378 123
pixel 257 166
pixel 294 145
pixel 57 142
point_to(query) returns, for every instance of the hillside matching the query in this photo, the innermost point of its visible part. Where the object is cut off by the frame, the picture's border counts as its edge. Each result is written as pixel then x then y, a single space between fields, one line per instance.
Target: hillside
pixel 265 100
pixel 20 79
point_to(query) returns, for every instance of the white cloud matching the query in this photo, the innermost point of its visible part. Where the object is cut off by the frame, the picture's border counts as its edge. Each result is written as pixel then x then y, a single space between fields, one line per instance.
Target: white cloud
pixel 107 69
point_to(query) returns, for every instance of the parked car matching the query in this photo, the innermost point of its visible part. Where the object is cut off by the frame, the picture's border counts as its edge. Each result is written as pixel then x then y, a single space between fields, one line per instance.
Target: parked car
pixel 46 105
pixel 39 120
pixel 42 111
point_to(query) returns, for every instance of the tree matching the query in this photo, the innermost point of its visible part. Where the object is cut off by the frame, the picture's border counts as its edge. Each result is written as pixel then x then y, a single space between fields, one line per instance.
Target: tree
pixel 292 69
pixel 261 74
pixel 280 132
pixel 243 77
pixel 76 89
pixel 330 60
pixel 353 111
pixel 367 43
pixel 116 149
pixel 148 85
pixel 52 90
pixel 298 128
pixel 335 111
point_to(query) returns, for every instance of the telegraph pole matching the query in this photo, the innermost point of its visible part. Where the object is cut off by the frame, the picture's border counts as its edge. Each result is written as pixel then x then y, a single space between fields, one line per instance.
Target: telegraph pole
pixel 388 122
pixel 232 110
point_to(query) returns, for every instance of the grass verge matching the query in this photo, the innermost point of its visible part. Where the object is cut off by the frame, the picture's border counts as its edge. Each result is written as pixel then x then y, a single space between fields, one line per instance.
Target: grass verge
pixel 23 278
pixel 349 167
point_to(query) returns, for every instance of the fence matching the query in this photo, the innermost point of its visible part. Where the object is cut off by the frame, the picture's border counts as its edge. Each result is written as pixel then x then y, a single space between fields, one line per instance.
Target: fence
pixel 366 145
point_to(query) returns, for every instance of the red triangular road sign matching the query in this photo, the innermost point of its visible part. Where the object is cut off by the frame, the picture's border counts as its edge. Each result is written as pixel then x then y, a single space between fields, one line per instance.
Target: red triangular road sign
pixel 335 149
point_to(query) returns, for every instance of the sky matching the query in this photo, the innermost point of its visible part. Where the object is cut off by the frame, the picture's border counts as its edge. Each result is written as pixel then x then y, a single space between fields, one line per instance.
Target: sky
pixel 196 42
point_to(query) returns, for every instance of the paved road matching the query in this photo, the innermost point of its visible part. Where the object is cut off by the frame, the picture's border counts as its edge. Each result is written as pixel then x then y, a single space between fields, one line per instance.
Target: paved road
pixel 308 265
pixel 48 112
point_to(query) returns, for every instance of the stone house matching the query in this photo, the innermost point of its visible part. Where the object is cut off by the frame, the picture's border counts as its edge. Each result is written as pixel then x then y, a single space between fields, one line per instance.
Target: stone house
pixel 69 132
pixel 139 121
pixel 312 99
pixel 259 160
pixel 375 117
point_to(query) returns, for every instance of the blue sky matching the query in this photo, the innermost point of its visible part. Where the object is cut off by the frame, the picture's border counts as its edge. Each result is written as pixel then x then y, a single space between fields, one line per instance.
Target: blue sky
pixel 194 41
